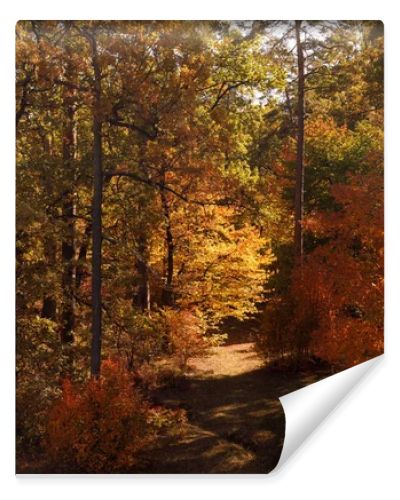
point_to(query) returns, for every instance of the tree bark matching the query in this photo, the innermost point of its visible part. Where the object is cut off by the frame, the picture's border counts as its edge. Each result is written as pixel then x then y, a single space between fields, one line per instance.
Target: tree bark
pixel 49 305
pixel 299 188
pixel 96 216
pixel 167 297
pixel 68 212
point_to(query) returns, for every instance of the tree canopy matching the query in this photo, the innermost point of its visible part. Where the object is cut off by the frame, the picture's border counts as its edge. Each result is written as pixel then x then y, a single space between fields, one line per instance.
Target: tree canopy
pixel 175 177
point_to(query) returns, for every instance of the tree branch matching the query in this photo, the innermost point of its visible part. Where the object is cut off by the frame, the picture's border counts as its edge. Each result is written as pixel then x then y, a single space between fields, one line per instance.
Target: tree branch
pixel 132 126
pixel 161 186
pixel 228 88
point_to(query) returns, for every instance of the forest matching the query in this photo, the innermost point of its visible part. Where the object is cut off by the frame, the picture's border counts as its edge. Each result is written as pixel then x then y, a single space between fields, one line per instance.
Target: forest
pixel 199 231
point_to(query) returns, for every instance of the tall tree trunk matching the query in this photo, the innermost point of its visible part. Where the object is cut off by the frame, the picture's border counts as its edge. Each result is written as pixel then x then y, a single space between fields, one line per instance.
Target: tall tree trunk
pixel 142 298
pixel 96 215
pixel 68 212
pixel 299 188
pixel 167 298
pixel 49 305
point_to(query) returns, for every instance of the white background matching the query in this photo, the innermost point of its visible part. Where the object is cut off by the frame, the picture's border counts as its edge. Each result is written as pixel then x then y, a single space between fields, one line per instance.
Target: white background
pixel 355 453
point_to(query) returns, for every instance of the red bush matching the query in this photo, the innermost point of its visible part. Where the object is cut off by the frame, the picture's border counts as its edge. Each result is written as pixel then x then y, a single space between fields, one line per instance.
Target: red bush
pixel 100 426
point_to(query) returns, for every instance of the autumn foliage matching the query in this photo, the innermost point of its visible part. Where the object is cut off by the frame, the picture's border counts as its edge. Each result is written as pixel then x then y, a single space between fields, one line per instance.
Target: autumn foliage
pixel 156 167
pixel 185 333
pixel 334 307
pixel 344 277
pixel 102 425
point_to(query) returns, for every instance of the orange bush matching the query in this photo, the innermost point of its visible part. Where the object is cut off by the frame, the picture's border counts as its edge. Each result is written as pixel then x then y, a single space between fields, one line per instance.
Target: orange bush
pixel 185 335
pixel 100 426
pixel 334 306
pixel 347 274
pixel 340 306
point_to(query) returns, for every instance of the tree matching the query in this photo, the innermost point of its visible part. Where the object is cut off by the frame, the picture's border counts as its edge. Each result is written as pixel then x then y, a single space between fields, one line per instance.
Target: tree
pixel 96 207
pixel 299 189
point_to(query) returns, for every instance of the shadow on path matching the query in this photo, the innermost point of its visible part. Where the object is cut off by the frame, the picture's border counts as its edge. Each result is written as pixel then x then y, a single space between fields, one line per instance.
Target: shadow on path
pixel 236 421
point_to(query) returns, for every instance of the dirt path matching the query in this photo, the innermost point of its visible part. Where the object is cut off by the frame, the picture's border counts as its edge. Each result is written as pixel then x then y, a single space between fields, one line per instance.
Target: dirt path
pixel 236 422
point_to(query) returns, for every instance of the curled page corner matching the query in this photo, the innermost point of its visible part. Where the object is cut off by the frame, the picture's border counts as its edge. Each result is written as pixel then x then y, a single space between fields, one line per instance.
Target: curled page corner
pixel 306 408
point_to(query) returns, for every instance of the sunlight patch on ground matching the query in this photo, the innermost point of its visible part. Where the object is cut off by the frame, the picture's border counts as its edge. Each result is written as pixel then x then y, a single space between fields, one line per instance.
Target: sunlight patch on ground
pixel 227 360
pixel 234 457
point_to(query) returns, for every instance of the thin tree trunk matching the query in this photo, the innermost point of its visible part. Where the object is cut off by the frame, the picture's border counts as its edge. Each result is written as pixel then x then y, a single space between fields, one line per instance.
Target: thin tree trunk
pixel 299 188
pixel 168 293
pixel 20 299
pixel 96 216
pixel 68 211
pixel 142 298
pixel 49 305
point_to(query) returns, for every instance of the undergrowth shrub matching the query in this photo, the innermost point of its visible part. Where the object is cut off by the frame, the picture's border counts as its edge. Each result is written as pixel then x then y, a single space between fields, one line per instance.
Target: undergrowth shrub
pixel 185 334
pixel 275 337
pixel 134 335
pixel 38 364
pixel 103 425
pixel 324 318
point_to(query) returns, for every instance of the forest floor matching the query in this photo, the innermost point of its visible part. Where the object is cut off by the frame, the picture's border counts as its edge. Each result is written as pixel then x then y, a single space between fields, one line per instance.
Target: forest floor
pixel 236 422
